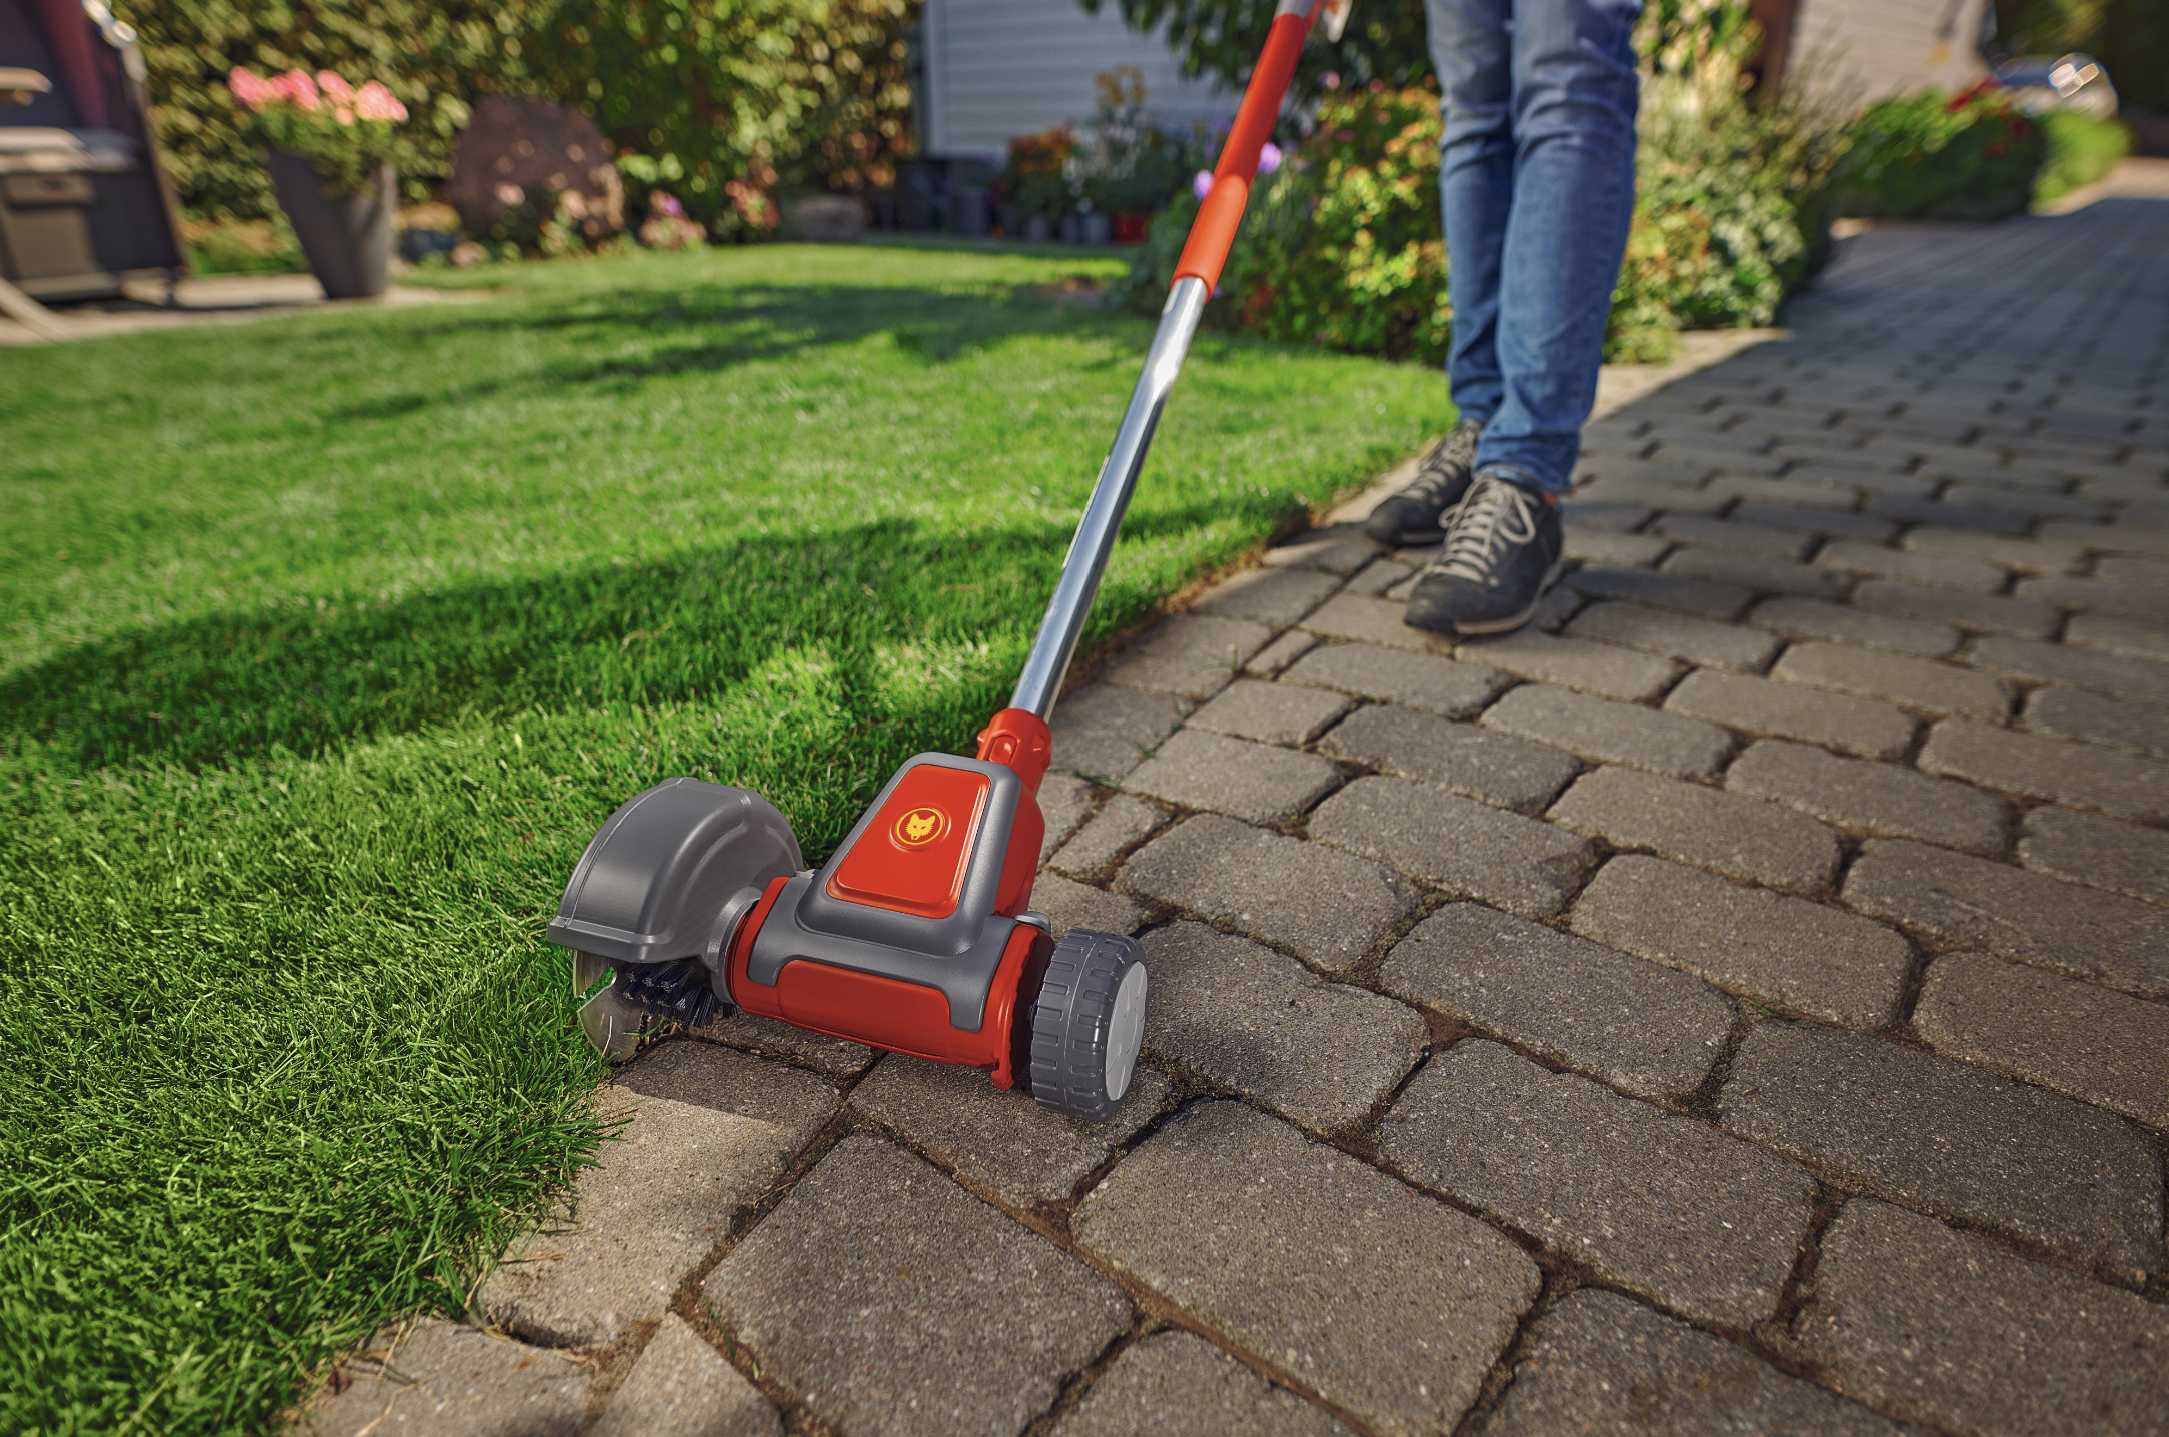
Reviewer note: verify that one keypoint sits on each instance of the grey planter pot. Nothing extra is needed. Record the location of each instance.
(347, 238)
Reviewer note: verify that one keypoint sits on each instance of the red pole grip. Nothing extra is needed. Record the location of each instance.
(1212, 234)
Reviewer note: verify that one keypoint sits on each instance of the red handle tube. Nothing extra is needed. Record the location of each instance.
(1212, 234)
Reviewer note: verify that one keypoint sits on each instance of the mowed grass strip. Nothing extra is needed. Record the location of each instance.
(325, 644)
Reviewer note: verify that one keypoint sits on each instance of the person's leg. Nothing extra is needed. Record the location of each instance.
(1574, 98)
(1472, 46)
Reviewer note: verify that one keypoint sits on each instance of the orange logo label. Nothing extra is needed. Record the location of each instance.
(920, 827)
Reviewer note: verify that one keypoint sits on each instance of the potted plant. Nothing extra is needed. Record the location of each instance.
(330, 156)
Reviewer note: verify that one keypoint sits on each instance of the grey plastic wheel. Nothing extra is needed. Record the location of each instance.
(1088, 1025)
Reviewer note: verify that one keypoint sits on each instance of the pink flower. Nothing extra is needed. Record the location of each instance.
(1202, 185)
(509, 194)
(250, 88)
(374, 102)
(1269, 158)
(335, 88)
(666, 204)
(297, 89)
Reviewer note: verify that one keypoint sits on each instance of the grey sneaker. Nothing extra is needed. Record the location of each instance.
(1504, 549)
(1414, 515)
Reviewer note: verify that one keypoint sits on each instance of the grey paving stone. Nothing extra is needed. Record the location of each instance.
(1763, 573)
(1104, 731)
(709, 1129)
(2082, 774)
(837, 1057)
(1643, 1028)
(1663, 1205)
(1495, 767)
(889, 1300)
(2137, 600)
(1938, 1135)
(452, 1381)
(1876, 798)
(1986, 613)
(1334, 551)
(1611, 732)
(1743, 538)
(2112, 674)
(2028, 556)
(2027, 501)
(1251, 781)
(1419, 681)
(1799, 955)
(1178, 1382)
(1073, 905)
(1645, 495)
(1663, 590)
(1466, 848)
(681, 1387)
(2150, 573)
(1125, 820)
(1194, 655)
(1373, 621)
(1913, 568)
(1600, 515)
(1816, 521)
(1258, 1023)
(2098, 852)
(1861, 476)
(2099, 1047)
(1937, 688)
(2122, 538)
(1733, 834)
(1329, 908)
(1700, 641)
(2119, 634)
(1383, 574)
(1000, 1142)
(1385, 1303)
(1929, 511)
(1591, 545)
(2134, 724)
(1605, 1364)
(1275, 598)
(1841, 623)
(1784, 492)
(1575, 663)
(1066, 802)
(1942, 1328)
(1765, 706)
(1280, 653)
(2102, 937)
(1270, 713)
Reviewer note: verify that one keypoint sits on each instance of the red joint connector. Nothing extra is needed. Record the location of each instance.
(1018, 738)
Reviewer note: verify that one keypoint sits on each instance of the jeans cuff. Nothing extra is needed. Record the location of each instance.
(1522, 478)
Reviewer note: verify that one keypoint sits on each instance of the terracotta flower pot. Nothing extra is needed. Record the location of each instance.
(347, 238)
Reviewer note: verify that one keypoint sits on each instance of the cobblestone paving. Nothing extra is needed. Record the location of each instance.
(1738, 1004)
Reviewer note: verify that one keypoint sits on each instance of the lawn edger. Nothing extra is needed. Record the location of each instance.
(917, 936)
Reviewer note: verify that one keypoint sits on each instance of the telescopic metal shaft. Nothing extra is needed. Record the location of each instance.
(1041, 682)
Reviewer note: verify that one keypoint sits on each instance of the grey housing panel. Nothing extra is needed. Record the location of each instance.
(657, 874)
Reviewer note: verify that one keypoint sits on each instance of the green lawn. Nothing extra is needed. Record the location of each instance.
(329, 640)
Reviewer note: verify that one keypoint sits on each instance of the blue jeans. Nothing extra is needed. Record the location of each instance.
(1537, 181)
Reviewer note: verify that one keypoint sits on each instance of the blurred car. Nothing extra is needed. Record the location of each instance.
(2071, 82)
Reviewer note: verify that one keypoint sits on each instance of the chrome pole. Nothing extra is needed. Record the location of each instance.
(1041, 682)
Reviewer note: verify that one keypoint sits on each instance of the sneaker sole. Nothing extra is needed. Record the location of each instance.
(1500, 626)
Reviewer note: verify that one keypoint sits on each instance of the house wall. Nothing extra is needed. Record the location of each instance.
(1862, 50)
(997, 68)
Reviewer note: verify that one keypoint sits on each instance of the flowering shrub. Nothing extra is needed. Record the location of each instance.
(1118, 164)
(347, 135)
(1970, 156)
(669, 226)
(1033, 179)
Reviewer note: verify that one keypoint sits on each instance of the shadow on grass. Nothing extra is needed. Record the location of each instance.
(311, 677)
(744, 324)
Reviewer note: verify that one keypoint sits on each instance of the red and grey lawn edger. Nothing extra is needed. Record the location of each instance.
(917, 936)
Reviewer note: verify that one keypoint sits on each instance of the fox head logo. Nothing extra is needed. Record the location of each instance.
(919, 827)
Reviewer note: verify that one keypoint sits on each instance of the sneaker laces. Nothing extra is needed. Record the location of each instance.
(1496, 513)
(1435, 476)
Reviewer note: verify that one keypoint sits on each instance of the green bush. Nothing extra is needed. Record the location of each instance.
(724, 102)
(1970, 156)
(2081, 149)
